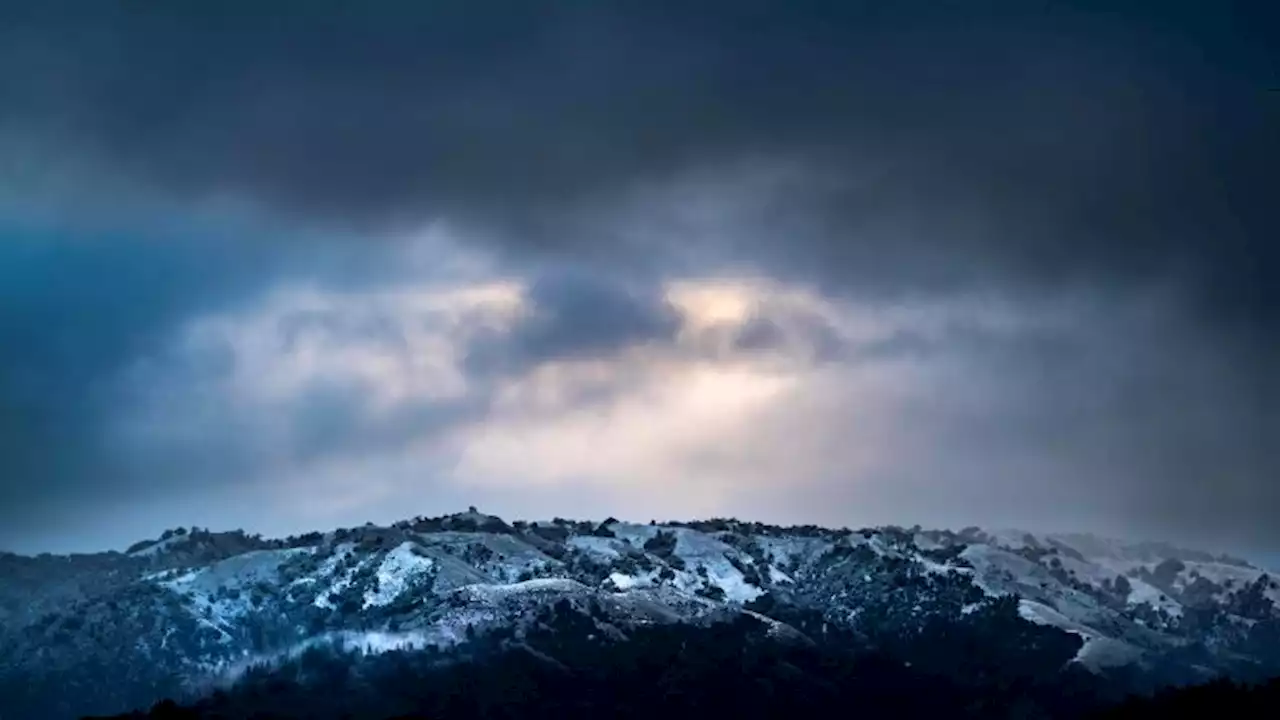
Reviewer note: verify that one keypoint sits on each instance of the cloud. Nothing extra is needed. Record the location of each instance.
(74, 311)
(928, 146)
(880, 152)
(905, 257)
(307, 378)
(95, 326)
(329, 405)
(572, 313)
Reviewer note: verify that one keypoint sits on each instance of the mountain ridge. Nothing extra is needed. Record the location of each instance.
(192, 609)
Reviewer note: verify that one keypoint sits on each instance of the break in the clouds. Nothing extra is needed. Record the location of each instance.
(307, 264)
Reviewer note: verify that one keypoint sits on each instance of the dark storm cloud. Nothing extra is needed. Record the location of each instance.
(83, 314)
(1023, 148)
(960, 142)
(759, 333)
(575, 314)
(1144, 424)
(72, 312)
(790, 332)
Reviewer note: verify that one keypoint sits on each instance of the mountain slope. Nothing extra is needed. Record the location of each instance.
(194, 610)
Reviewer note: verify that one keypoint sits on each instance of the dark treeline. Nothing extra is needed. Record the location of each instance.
(1218, 699)
(568, 666)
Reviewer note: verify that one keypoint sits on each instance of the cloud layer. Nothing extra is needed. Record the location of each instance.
(840, 262)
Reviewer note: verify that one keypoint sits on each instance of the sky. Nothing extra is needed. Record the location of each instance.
(291, 266)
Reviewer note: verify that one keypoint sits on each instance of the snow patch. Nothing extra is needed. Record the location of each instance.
(933, 567)
(1042, 614)
(1103, 652)
(777, 577)
(1141, 592)
(324, 599)
(634, 534)
(602, 547)
(227, 673)
(399, 568)
(494, 592)
(631, 582)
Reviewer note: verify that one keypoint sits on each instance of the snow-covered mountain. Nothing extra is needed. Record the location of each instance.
(193, 609)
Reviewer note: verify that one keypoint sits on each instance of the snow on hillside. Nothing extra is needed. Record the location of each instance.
(439, 581)
(507, 591)
(710, 557)
(622, 581)
(783, 551)
(1038, 612)
(496, 557)
(601, 547)
(1140, 592)
(1062, 579)
(340, 580)
(226, 673)
(634, 534)
(218, 593)
(399, 569)
(1099, 558)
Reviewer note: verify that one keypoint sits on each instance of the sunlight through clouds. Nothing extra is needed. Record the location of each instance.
(350, 400)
